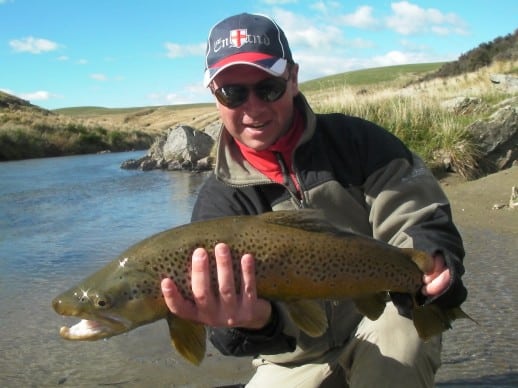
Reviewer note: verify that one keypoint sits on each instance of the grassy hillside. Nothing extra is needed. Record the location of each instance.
(377, 76)
(28, 131)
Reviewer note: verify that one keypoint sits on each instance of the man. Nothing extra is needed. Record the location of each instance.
(274, 153)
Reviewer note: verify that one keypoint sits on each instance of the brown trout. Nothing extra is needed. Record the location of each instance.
(300, 258)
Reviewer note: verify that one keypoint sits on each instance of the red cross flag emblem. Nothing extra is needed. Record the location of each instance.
(238, 37)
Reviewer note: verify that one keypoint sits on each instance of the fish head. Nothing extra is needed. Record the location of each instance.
(113, 300)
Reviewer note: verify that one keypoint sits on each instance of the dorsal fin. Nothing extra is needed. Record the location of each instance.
(312, 220)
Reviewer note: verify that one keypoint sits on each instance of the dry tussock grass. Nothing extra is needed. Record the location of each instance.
(416, 115)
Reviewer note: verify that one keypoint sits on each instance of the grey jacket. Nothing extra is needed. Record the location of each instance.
(364, 180)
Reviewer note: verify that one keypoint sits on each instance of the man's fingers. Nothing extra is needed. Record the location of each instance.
(438, 267)
(226, 283)
(437, 285)
(175, 301)
(226, 305)
(227, 288)
(248, 282)
(200, 278)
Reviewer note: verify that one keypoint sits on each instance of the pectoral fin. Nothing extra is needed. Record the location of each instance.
(188, 338)
(309, 316)
(372, 306)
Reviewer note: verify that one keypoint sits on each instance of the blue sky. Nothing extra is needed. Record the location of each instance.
(116, 53)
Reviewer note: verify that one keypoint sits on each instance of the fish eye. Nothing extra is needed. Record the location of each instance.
(102, 301)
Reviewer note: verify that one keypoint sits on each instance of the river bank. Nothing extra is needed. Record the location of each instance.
(484, 203)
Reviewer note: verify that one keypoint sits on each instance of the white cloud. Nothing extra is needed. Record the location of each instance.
(361, 18)
(319, 6)
(8, 91)
(99, 77)
(278, 2)
(312, 66)
(40, 95)
(191, 93)
(360, 43)
(33, 45)
(408, 18)
(396, 57)
(326, 7)
(175, 50)
(315, 67)
(318, 38)
(303, 32)
(168, 98)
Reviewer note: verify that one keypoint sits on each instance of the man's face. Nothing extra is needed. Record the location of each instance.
(257, 123)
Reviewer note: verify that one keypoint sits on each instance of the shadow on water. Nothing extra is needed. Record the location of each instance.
(491, 381)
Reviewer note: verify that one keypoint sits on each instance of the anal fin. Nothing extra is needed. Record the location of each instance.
(372, 306)
(309, 316)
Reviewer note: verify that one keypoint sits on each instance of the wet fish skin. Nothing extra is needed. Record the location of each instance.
(299, 259)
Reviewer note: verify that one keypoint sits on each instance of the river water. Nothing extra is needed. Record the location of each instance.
(63, 218)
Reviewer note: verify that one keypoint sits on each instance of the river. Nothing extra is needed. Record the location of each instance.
(63, 218)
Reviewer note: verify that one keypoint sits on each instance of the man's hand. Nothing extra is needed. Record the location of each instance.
(226, 308)
(437, 281)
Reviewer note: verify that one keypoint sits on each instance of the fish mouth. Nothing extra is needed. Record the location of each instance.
(93, 325)
(94, 329)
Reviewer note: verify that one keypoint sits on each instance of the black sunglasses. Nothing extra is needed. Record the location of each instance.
(268, 90)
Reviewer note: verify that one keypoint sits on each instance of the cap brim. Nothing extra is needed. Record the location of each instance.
(272, 65)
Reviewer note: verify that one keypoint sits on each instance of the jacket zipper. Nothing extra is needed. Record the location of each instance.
(299, 198)
(288, 182)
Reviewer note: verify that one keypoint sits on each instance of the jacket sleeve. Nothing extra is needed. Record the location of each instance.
(241, 342)
(408, 208)
(405, 204)
(216, 200)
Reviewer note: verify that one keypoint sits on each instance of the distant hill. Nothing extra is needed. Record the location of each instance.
(379, 76)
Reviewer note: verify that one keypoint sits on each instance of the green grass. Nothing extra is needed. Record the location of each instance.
(369, 77)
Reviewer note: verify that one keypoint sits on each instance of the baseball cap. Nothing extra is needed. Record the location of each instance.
(248, 39)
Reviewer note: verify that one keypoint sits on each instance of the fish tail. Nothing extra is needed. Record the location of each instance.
(422, 259)
(431, 320)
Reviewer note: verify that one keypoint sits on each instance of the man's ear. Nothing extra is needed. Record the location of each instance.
(294, 78)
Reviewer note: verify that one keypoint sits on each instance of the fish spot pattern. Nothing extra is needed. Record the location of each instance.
(289, 260)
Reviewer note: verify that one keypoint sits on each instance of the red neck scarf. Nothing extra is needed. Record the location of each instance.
(266, 160)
